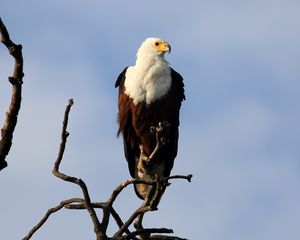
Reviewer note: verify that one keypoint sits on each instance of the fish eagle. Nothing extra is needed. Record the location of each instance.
(150, 92)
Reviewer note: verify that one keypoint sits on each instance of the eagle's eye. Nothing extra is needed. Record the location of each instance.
(156, 43)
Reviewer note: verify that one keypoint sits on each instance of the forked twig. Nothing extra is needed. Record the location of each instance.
(48, 213)
(100, 234)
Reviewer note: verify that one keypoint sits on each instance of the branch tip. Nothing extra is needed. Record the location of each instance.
(189, 177)
(71, 102)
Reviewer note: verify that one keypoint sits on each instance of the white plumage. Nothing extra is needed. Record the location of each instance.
(150, 78)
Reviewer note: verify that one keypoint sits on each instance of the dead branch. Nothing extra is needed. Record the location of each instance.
(16, 80)
(100, 234)
(188, 177)
(48, 213)
(148, 232)
(150, 203)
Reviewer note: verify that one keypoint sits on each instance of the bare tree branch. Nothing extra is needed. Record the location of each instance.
(101, 205)
(150, 203)
(100, 234)
(15, 104)
(48, 213)
(188, 177)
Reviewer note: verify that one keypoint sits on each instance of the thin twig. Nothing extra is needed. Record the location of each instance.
(100, 234)
(187, 177)
(124, 184)
(136, 213)
(145, 207)
(10, 121)
(81, 206)
(101, 205)
(107, 211)
(49, 212)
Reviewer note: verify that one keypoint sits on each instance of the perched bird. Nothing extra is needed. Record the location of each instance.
(150, 92)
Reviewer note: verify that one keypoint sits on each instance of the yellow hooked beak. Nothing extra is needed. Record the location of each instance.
(162, 46)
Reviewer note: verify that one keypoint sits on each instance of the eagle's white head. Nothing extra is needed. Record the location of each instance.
(150, 78)
(153, 47)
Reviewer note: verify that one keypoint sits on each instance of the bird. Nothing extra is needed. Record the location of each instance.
(150, 94)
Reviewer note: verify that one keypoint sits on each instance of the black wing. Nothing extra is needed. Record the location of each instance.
(131, 149)
(177, 96)
(178, 85)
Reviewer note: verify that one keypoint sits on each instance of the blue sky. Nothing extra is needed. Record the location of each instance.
(239, 133)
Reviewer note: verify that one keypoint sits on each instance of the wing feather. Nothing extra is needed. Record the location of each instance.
(131, 148)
